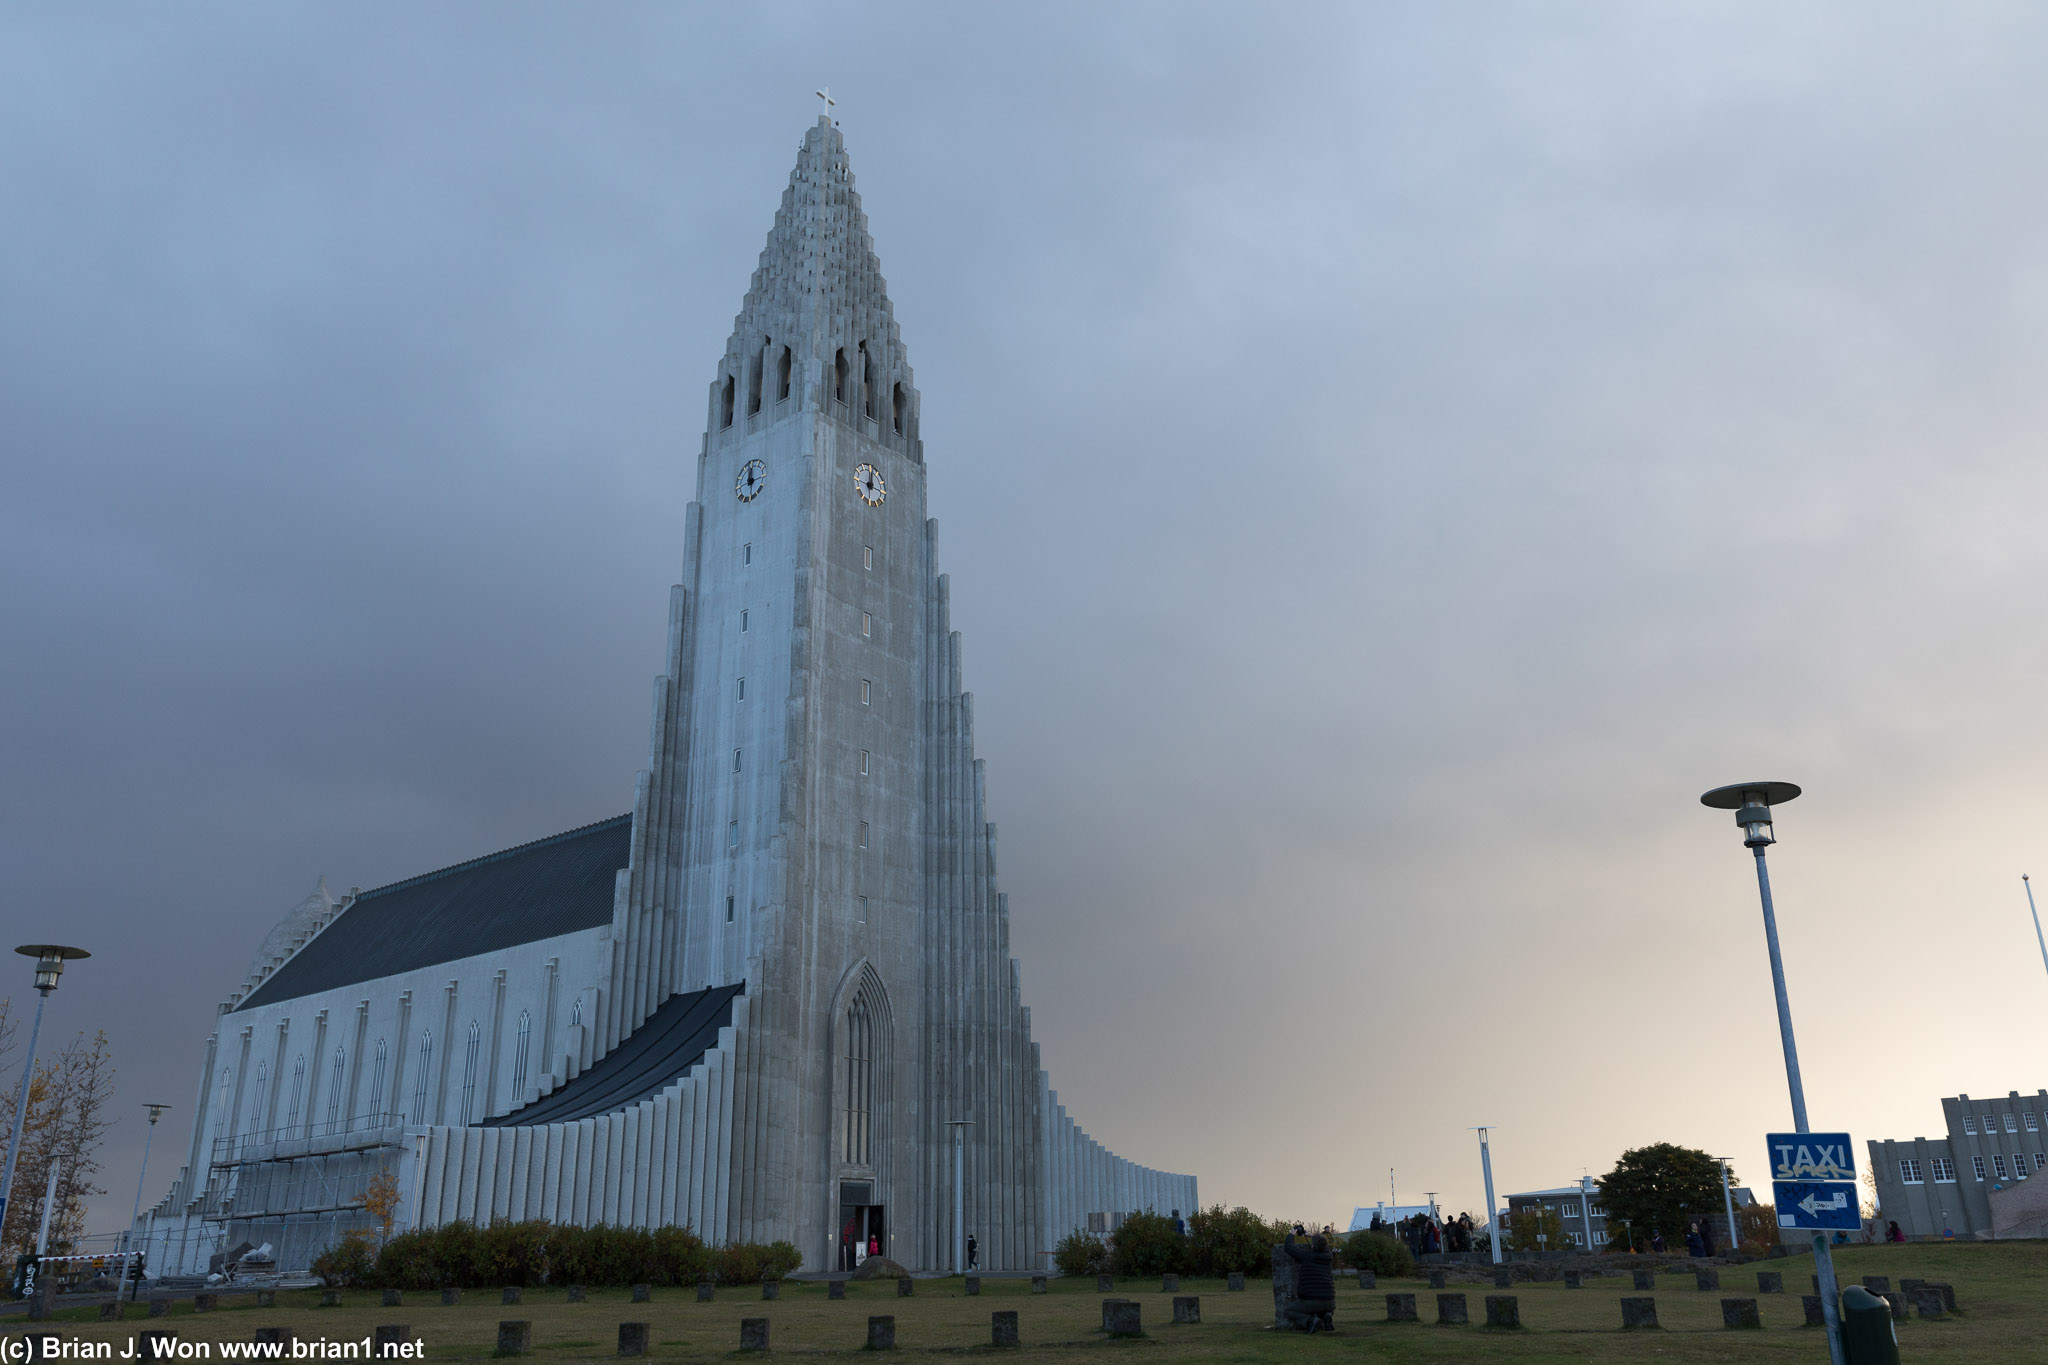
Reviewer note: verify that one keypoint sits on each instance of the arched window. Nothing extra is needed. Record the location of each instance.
(256, 1100)
(859, 1062)
(901, 405)
(519, 1055)
(377, 1100)
(223, 1121)
(867, 382)
(419, 1083)
(291, 1113)
(725, 403)
(840, 373)
(469, 1073)
(334, 1092)
(576, 1013)
(782, 376)
(754, 379)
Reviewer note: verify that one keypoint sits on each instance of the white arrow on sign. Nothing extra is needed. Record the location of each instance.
(1813, 1203)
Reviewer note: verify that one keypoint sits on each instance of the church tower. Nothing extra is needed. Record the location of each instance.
(769, 1002)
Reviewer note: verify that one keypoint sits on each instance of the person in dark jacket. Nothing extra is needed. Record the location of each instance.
(1693, 1244)
(1315, 1289)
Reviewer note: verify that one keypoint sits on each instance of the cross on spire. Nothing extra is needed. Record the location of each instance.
(830, 103)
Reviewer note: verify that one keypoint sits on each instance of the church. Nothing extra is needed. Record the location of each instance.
(769, 1000)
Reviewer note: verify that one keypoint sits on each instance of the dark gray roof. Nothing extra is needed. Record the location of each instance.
(538, 890)
(655, 1055)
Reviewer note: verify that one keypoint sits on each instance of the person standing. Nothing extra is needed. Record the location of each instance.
(973, 1251)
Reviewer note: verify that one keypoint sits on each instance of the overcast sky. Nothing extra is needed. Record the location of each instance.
(1390, 460)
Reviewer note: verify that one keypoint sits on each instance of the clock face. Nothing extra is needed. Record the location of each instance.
(867, 481)
(753, 478)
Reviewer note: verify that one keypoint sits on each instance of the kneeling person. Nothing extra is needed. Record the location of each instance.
(1315, 1291)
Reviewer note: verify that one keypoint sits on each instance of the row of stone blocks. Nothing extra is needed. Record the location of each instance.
(516, 1337)
(1502, 1310)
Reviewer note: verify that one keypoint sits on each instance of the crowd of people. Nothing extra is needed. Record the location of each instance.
(1424, 1233)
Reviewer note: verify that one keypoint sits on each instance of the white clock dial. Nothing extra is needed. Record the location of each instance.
(867, 481)
(753, 478)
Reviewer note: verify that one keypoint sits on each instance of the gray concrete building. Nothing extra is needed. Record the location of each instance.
(1951, 1185)
(757, 1002)
(1584, 1217)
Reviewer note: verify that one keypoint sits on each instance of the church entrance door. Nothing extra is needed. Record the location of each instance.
(862, 1224)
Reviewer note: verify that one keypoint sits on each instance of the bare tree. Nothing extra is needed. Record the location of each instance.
(67, 1122)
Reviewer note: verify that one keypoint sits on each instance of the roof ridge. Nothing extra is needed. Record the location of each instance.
(606, 823)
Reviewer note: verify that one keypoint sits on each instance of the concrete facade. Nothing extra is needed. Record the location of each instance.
(1949, 1186)
(812, 823)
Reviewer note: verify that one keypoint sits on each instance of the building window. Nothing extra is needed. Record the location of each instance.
(1991, 1123)
(576, 1013)
(867, 556)
(291, 1113)
(256, 1102)
(863, 909)
(377, 1081)
(860, 1080)
(2040, 1160)
(1598, 1212)
(902, 405)
(1977, 1165)
(747, 553)
(866, 624)
(2030, 1122)
(519, 1054)
(863, 762)
(469, 1073)
(725, 403)
(334, 1091)
(1909, 1172)
(1998, 1165)
(839, 374)
(419, 1084)
(1970, 1123)
(740, 690)
(863, 834)
(735, 760)
(867, 692)
(1944, 1170)
(2012, 1123)
(782, 376)
(732, 834)
(743, 620)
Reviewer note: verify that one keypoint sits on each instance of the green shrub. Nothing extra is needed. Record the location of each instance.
(461, 1255)
(1147, 1244)
(1081, 1253)
(739, 1263)
(680, 1256)
(779, 1259)
(1222, 1240)
(347, 1264)
(1380, 1252)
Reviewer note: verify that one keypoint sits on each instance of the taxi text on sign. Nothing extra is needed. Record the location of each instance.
(1813, 1181)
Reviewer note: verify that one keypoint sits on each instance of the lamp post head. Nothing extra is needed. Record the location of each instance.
(155, 1111)
(49, 962)
(1752, 802)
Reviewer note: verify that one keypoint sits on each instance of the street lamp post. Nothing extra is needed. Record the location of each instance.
(1586, 1208)
(1752, 802)
(50, 958)
(1486, 1170)
(1728, 1203)
(2037, 919)
(155, 1112)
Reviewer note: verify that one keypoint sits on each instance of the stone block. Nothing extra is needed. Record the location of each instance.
(1811, 1303)
(1770, 1282)
(1948, 1295)
(514, 1336)
(1368, 1280)
(1780, 1251)
(1105, 1284)
(1638, 1313)
(512, 1294)
(1927, 1303)
(1002, 1328)
(1573, 1280)
(1879, 1285)
(771, 1289)
(905, 1287)
(1897, 1301)
(161, 1308)
(1910, 1287)
(1436, 1279)
(643, 1293)
(389, 1336)
(1451, 1311)
(1187, 1308)
(1121, 1318)
(1503, 1278)
(754, 1334)
(392, 1299)
(578, 1294)
(110, 1311)
(1646, 1279)
(1503, 1310)
(706, 1288)
(835, 1289)
(266, 1298)
(1039, 1286)
(159, 1345)
(205, 1303)
(1169, 1284)
(973, 1283)
(276, 1336)
(633, 1338)
(1704, 1280)
(42, 1302)
(1740, 1313)
(329, 1298)
(881, 1334)
(1401, 1308)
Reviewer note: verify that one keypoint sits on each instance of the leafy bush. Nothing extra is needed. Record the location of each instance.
(1147, 1244)
(680, 1256)
(1081, 1253)
(347, 1263)
(1380, 1252)
(778, 1259)
(1222, 1240)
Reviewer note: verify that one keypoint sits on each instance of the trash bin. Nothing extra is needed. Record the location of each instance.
(1868, 1337)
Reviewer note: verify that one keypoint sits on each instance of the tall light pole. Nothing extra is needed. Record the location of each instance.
(960, 1127)
(1752, 802)
(1728, 1203)
(1486, 1170)
(2037, 919)
(155, 1112)
(1586, 1207)
(50, 958)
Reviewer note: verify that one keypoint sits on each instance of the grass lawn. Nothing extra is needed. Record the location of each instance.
(2002, 1289)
